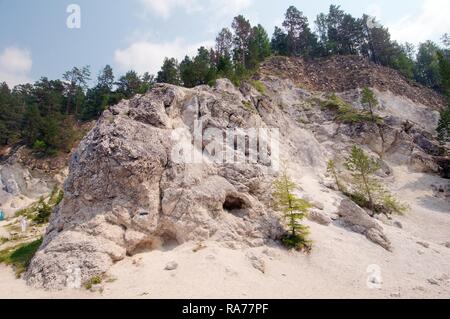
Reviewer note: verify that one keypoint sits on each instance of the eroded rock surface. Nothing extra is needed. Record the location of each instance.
(127, 191)
(355, 218)
(126, 195)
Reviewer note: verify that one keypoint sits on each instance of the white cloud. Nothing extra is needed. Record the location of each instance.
(429, 24)
(164, 8)
(147, 56)
(15, 66)
(230, 7)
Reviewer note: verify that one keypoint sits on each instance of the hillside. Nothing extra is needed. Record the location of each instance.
(344, 73)
(150, 222)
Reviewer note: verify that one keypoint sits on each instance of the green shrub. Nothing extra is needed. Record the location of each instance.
(443, 128)
(43, 212)
(56, 196)
(59, 197)
(359, 199)
(248, 105)
(20, 257)
(352, 115)
(39, 145)
(346, 113)
(28, 213)
(96, 280)
(392, 205)
(259, 86)
(40, 211)
(297, 242)
(212, 83)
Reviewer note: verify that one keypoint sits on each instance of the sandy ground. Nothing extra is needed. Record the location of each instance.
(339, 267)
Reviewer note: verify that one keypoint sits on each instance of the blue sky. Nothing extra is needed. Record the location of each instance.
(137, 34)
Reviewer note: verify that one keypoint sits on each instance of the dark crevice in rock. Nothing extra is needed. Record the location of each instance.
(143, 247)
(236, 206)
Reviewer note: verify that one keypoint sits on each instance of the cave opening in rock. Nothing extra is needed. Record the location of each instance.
(143, 247)
(164, 242)
(235, 205)
(168, 241)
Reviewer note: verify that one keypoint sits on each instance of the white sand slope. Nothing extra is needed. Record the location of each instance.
(337, 268)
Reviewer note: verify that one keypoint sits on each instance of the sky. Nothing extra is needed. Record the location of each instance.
(38, 38)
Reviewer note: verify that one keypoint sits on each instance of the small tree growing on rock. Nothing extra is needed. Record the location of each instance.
(294, 209)
(369, 101)
(370, 193)
(331, 169)
(363, 168)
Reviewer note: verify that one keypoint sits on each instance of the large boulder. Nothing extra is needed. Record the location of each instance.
(127, 191)
(355, 218)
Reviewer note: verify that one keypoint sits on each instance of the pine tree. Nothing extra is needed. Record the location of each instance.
(11, 114)
(368, 192)
(105, 79)
(403, 59)
(147, 82)
(204, 69)
(331, 169)
(129, 84)
(259, 47)
(369, 101)
(300, 40)
(242, 32)
(443, 128)
(294, 209)
(224, 43)
(427, 66)
(187, 73)
(363, 168)
(170, 72)
(76, 80)
(279, 42)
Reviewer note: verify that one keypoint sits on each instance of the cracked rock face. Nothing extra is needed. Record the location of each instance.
(355, 218)
(128, 192)
(125, 194)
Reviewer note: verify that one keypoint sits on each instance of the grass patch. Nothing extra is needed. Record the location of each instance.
(259, 86)
(387, 204)
(43, 213)
(56, 196)
(96, 280)
(248, 105)
(28, 213)
(198, 247)
(20, 257)
(346, 113)
(110, 280)
(40, 211)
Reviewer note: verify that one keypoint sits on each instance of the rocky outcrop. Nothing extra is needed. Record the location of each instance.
(126, 193)
(319, 218)
(354, 217)
(141, 178)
